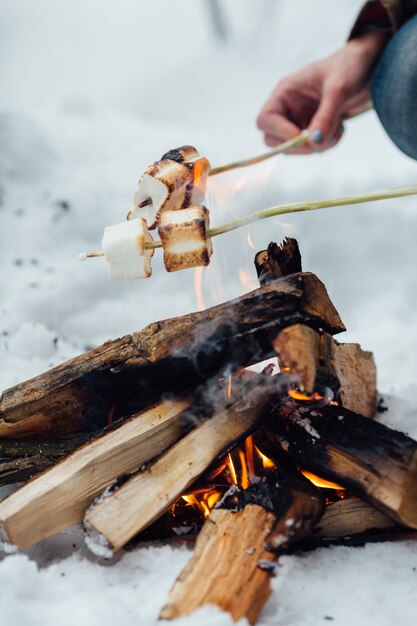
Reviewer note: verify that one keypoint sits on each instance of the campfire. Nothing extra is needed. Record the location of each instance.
(166, 433)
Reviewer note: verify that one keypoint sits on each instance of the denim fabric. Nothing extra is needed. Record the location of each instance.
(394, 88)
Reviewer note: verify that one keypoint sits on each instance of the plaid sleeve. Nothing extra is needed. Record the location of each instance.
(378, 16)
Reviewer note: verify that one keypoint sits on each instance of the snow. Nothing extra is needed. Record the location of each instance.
(94, 91)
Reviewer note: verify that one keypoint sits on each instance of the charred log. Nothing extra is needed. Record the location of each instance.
(369, 459)
(168, 356)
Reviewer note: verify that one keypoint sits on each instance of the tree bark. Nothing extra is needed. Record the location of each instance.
(168, 356)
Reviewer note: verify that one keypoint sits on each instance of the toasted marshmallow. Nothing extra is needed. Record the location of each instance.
(184, 238)
(176, 182)
(124, 249)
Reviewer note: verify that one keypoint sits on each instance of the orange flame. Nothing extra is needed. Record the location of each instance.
(321, 482)
(250, 242)
(198, 286)
(229, 387)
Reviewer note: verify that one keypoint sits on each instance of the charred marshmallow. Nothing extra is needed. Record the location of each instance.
(175, 182)
(125, 252)
(184, 238)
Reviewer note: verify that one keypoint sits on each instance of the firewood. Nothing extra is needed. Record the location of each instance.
(352, 522)
(58, 498)
(278, 261)
(351, 516)
(320, 361)
(315, 357)
(113, 520)
(230, 545)
(134, 371)
(372, 461)
(236, 541)
(20, 459)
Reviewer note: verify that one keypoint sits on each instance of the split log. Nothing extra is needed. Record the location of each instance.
(113, 520)
(58, 498)
(351, 516)
(235, 545)
(168, 356)
(230, 546)
(352, 522)
(317, 359)
(372, 461)
(320, 361)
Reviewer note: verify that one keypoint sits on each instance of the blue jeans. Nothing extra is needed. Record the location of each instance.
(394, 88)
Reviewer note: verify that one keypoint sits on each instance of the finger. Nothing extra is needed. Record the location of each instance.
(325, 121)
(332, 142)
(276, 124)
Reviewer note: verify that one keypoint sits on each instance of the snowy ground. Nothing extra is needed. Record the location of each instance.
(93, 91)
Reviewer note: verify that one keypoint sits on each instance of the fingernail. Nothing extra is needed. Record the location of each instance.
(316, 136)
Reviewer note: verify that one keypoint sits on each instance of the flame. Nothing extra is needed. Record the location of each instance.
(247, 281)
(250, 242)
(232, 470)
(229, 387)
(296, 394)
(203, 502)
(321, 482)
(249, 455)
(198, 286)
(288, 229)
(244, 476)
(267, 463)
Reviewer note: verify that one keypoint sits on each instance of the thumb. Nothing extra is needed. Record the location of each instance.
(326, 120)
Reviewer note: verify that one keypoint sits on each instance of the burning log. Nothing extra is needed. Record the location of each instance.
(369, 459)
(112, 521)
(319, 361)
(135, 371)
(58, 498)
(236, 542)
(315, 357)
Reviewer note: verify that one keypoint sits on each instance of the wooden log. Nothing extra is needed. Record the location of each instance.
(112, 521)
(58, 498)
(278, 261)
(134, 371)
(352, 522)
(230, 547)
(372, 461)
(351, 516)
(315, 357)
(21, 459)
(229, 567)
(320, 361)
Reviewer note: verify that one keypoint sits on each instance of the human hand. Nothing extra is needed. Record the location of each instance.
(320, 95)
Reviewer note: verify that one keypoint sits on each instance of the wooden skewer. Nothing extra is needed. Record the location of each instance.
(283, 147)
(294, 207)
